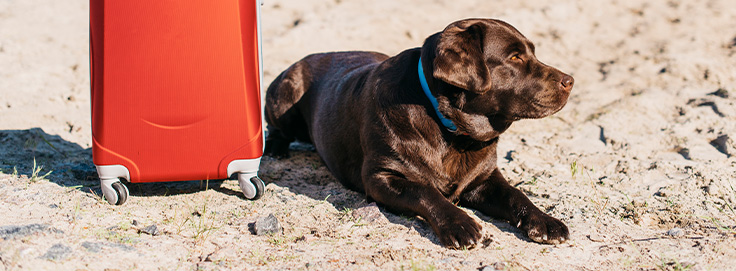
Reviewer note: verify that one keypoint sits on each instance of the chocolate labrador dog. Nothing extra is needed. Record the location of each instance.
(417, 132)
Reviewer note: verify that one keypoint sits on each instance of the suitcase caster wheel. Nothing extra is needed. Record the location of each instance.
(252, 188)
(114, 191)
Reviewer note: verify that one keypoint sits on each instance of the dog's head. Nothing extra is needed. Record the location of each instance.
(484, 67)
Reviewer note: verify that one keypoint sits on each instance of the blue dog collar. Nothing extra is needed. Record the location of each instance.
(423, 81)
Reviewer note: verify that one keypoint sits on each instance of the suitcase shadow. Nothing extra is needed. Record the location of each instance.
(43, 156)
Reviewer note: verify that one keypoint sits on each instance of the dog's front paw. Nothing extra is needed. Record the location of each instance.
(542, 228)
(459, 231)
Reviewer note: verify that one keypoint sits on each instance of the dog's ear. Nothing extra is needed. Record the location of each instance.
(460, 58)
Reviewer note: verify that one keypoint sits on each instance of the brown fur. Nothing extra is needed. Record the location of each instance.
(377, 132)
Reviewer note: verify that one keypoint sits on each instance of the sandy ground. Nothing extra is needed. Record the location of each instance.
(641, 163)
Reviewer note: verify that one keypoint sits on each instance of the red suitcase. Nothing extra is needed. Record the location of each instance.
(176, 92)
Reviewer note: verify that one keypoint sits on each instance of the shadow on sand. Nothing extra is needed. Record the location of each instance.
(70, 165)
(303, 173)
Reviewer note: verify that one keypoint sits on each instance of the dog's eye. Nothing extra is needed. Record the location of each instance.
(516, 58)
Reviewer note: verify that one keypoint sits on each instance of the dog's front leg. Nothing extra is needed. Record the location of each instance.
(497, 198)
(454, 227)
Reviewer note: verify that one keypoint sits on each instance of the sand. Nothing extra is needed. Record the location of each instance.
(640, 164)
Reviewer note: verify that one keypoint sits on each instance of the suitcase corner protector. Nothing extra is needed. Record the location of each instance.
(245, 166)
(113, 172)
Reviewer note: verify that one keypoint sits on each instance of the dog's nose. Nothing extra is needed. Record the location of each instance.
(567, 82)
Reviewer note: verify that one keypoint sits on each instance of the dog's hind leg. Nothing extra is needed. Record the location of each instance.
(285, 122)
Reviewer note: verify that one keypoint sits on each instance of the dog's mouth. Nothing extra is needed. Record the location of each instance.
(540, 108)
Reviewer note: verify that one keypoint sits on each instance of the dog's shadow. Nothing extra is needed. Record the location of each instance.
(303, 172)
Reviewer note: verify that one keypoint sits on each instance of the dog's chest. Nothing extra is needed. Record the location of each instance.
(460, 168)
(460, 165)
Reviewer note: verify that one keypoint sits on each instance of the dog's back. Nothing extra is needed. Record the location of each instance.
(314, 86)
